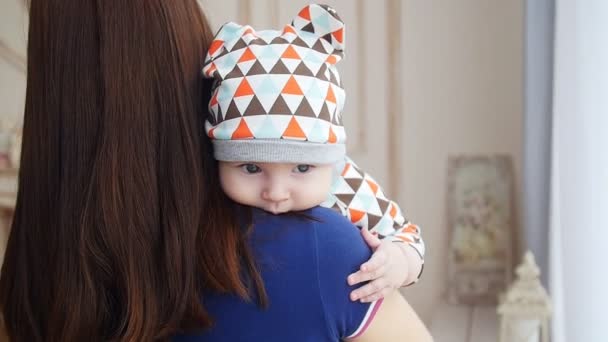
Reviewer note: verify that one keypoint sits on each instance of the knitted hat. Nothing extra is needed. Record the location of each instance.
(277, 95)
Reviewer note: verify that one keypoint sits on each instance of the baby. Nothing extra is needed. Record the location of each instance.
(276, 126)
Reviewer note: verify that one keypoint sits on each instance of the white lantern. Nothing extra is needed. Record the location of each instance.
(525, 309)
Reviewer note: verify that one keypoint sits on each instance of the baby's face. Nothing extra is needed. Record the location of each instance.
(276, 187)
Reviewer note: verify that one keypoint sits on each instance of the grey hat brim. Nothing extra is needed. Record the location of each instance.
(278, 151)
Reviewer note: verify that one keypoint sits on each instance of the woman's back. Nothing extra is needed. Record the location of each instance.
(304, 264)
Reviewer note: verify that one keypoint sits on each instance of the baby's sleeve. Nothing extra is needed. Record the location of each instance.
(340, 251)
(357, 196)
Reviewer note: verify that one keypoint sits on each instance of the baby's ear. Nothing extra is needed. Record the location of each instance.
(324, 22)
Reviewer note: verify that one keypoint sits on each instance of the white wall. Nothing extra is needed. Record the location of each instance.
(13, 37)
(462, 93)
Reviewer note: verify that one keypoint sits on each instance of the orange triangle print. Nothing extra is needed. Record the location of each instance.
(355, 215)
(247, 56)
(290, 52)
(393, 211)
(372, 185)
(248, 31)
(331, 59)
(213, 100)
(292, 87)
(305, 13)
(346, 168)
(244, 89)
(289, 29)
(211, 69)
(294, 130)
(332, 137)
(339, 34)
(242, 132)
(330, 95)
(215, 45)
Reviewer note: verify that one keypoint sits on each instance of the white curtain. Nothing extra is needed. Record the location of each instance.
(578, 226)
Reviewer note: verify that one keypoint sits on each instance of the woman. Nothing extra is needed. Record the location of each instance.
(118, 199)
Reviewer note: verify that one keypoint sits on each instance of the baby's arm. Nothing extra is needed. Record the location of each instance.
(359, 197)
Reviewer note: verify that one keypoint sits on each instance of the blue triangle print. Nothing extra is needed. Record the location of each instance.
(317, 134)
(267, 87)
(322, 21)
(267, 130)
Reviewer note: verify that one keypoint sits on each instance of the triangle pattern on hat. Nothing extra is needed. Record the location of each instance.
(299, 42)
(324, 113)
(242, 103)
(279, 107)
(294, 131)
(292, 87)
(267, 129)
(304, 109)
(247, 55)
(302, 69)
(279, 68)
(233, 111)
(292, 101)
(242, 131)
(291, 64)
(245, 66)
(306, 124)
(244, 89)
(354, 183)
(254, 108)
(256, 69)
(318, 133)
(236, 72)
(290, 53)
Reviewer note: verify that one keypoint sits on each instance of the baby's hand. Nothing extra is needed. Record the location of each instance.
(387, 270)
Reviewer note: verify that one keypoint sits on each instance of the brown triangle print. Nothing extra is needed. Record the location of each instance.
(332, 78)
(279, 68)
(324, 114)
(304, 109)
(255, 107)
(383, 205)
(232, 112)
(319, 47)
(220, 115)
(372, 220)
(309, 28)
(345, 198)
(279, 107)
(329, 38)
(258, 41)
(321, 73)
(256, 69)
(354, 183)
(279, 40)
(239, 45)
(303, 70)
(299, 42)
(236, 72)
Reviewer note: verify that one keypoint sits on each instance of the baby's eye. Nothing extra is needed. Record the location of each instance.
(251, 168)
(303, 168)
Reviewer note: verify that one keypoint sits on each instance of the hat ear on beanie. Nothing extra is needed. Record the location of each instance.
(324, 22)
(225, 39)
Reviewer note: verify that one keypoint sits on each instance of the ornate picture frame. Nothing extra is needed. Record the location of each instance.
(482, 228)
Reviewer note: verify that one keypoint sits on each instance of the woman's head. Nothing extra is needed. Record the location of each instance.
(117, 183)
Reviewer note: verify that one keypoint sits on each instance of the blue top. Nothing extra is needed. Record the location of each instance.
(304, 265)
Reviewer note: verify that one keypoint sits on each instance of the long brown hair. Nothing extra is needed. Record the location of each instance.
(120, 221)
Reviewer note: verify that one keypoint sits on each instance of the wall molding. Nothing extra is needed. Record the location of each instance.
(393, 98)
(14, 59)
